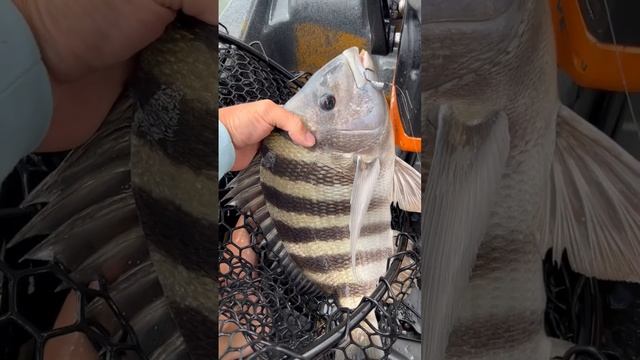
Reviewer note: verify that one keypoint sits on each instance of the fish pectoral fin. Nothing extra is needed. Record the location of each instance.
(367, 172)
(406, 186)
(464, 180)
(592, 205)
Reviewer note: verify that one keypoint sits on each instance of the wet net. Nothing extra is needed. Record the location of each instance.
(268, 310)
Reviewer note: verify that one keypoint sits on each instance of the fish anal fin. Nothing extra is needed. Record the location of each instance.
(593, 202)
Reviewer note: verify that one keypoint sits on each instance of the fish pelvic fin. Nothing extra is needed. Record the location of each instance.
(367, 173)
(469, 161)
(592, 202)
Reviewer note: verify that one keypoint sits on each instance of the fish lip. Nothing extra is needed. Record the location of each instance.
(367, 61)
(361, 66)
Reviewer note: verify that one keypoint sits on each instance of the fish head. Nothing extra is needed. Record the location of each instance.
(343, 105)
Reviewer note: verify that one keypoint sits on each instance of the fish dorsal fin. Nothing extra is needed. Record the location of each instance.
(593, 202)
(247, 179)
(367, 172)
(464, 178)
(406, 186)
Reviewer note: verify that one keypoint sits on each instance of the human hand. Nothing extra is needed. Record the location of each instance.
(88, 48)
(249, 123)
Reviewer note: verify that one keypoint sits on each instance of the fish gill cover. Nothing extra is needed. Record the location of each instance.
(268, 308)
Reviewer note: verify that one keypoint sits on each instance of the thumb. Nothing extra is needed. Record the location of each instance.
(292, 124)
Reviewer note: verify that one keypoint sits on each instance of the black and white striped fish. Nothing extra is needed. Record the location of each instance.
(330, 204)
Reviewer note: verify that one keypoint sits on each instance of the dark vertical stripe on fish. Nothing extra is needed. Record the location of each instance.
(494, 333)
(174, 99)
(502, 253)
(301, 205)
(311, 173)
(198, 331)
(191, 244)
(295, 204)
(303, 235)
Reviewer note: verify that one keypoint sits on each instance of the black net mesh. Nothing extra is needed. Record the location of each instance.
(601, 317)
(43, 312)
(244, 76)
(267, 310)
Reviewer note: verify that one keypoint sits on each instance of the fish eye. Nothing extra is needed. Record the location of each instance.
(327, 102)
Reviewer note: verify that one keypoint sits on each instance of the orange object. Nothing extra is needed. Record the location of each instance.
(402, 140)
(589, 62)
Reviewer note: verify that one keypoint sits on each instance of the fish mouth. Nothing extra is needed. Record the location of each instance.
(361, 65)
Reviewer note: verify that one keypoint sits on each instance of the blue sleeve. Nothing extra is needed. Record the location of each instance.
(226, 152)
(26, 103)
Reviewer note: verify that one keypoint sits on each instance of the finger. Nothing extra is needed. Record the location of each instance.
(279, 117)
(81, 106)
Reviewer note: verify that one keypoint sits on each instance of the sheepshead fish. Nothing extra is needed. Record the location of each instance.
(330, 204)
(135, 204)
(514, 173)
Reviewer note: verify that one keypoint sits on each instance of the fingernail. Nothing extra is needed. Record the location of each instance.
(309, 139)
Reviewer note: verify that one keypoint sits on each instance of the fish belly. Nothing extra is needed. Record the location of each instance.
(308, 196)
(502, 311)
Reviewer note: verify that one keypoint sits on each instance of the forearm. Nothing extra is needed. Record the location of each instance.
(26, 103)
